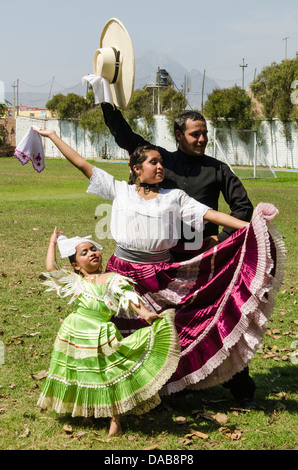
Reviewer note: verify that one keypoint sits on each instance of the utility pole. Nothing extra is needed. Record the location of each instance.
(286, 46)
(243, 67)
(14, 99)
(203, 84)
(158, 92)
(17, 97)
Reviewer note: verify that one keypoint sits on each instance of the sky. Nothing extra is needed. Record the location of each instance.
(58, 38)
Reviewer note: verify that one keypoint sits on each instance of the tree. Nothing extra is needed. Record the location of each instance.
(53, 104)
(229, 108)
(93, 121)
(273, 89)
(173, 103)
(3, 111)
(140, 106)
(71, 106)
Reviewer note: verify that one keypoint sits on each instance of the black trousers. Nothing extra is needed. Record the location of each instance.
(241, 385)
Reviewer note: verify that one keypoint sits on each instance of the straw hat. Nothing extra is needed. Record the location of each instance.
(114, 60)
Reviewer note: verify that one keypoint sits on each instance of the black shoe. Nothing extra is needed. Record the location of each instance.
(249, 404)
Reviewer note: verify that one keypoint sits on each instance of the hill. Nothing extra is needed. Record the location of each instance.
(146, 68)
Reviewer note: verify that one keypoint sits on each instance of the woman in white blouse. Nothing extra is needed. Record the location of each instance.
(144, 216)
(223, 296)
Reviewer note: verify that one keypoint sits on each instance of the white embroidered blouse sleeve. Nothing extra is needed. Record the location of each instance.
(191, 211)
(104, 185)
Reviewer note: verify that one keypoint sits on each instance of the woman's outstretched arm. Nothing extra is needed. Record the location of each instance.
(226, 220)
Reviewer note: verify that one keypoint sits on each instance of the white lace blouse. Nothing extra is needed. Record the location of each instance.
(148, 225)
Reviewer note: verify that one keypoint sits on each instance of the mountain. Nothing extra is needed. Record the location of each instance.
(146, 68)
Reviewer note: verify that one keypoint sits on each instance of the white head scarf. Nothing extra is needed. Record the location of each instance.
(67, 246)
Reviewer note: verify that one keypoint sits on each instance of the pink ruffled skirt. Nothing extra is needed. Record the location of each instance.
(223, 298)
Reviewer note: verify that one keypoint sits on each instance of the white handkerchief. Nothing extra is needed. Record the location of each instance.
(101, 88)
(30, 148)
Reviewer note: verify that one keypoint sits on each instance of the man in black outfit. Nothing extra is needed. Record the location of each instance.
(203, 178)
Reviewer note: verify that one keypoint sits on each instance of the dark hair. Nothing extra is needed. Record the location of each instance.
(72, 259)
(180, 121)
(137, 158)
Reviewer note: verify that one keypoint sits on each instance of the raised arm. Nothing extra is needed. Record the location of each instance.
(121, 131)
(69, 153)
(51, 253)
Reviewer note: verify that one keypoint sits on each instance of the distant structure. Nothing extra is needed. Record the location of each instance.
(163, 78)
(163, 81)
(29, 111)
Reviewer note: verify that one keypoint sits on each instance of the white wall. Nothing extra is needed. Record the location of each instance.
(274, 147)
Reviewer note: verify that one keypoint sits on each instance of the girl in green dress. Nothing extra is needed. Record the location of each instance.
(94, 370)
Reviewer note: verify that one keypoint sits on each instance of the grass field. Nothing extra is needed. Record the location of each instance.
(30, 205)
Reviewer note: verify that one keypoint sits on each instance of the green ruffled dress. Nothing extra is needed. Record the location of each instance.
(94, 371)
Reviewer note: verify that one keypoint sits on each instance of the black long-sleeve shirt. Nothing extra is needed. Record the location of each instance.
(201, 177)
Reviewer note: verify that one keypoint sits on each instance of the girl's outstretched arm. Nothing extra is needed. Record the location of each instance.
(69, 153)
(51, 253)
(226, 220)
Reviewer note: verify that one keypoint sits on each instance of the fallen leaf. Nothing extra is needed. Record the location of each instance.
(201, 435)
(98, 439)
(236, 435)
(131, 438)
(208, 416)
(151, 447)
(180, 420)
(41, 375)
(220, 418)
(231, 433)
(183, 441)
(26, 432)
(68, 429)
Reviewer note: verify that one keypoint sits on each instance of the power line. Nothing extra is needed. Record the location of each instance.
(35, 86)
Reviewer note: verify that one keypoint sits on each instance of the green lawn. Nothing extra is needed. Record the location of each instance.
(31, 205)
